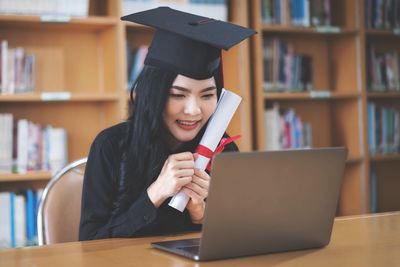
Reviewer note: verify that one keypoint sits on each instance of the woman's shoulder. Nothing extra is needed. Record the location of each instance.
(112, 135)
(230, 146)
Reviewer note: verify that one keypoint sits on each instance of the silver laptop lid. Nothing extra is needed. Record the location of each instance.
(291, 203)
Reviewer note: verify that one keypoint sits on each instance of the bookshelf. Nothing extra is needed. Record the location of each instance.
(334, 106)
(385, 166)
(86, 58)
(72, 57)
(338, 115)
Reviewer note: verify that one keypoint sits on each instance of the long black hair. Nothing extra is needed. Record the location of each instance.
(144, 150)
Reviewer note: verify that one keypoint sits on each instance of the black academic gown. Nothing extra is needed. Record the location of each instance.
(100, 189)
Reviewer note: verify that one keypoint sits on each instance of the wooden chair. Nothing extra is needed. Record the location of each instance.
(60, 205)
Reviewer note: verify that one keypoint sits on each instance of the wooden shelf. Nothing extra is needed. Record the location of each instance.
(34, 21)
(383, 94)
(383, 32)
(81, 97)
(383, 157)
(30, 176)
(308, 96)
(305, 30)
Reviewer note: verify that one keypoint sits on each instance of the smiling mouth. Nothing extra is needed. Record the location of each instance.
(187, 125)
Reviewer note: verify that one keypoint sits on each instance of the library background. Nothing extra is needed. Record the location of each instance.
(319, 73)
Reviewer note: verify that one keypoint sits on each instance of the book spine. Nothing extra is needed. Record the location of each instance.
(12, 219)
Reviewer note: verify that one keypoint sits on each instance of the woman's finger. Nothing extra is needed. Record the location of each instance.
(183, 164)
(181, 156)
(183, 172)
(183, 181)
(203, 183)
(201, 192)
(192, 194)
(201, 174)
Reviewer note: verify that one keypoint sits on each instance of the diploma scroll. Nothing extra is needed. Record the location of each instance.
(219, 121)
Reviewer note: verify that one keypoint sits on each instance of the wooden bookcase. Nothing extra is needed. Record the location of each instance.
(385, 166)
(87, 57)
(339, 66)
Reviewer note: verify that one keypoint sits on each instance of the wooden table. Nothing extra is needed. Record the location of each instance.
(366, 240)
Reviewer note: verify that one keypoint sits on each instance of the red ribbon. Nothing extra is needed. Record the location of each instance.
(204, 21)
(206, 152)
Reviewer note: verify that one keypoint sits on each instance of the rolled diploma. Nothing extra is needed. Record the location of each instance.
(219, 121)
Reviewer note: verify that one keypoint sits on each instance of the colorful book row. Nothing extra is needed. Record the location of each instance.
(381, 14)
(17, 70)
(283, 69)
(18, 218)
(285, 130)
(383, 129)
(26, 146)
(303, 13)
(383, 72)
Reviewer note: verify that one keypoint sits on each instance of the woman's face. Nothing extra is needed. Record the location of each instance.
(189, 106)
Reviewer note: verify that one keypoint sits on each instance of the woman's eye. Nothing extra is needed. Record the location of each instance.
(177, 95)
(208, 96)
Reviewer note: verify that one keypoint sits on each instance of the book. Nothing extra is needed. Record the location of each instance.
(272, 125)
(5, 220)
(4, 63)
(22, 146)
(371, 128)
(6, 142)
(58, 149)
(30, 217)
(20, 220)
(137, 65)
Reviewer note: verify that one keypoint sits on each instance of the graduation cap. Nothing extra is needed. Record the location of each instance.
(186, 43)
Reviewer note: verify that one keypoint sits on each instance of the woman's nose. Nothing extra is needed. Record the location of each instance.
(192, 107)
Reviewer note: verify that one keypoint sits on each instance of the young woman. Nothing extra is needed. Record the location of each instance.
(135, 167)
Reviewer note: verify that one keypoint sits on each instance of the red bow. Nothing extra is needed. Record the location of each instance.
(206, 152)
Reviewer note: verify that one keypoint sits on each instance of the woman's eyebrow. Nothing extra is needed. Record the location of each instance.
(180, 88)
(208, 89)
(187, 90)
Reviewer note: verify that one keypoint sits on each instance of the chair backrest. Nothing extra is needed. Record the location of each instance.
(60, 205)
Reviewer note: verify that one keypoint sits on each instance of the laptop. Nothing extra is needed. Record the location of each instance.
(267, 201)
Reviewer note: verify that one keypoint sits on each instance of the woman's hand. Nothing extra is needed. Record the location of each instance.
(197, 190)
(177, 172)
